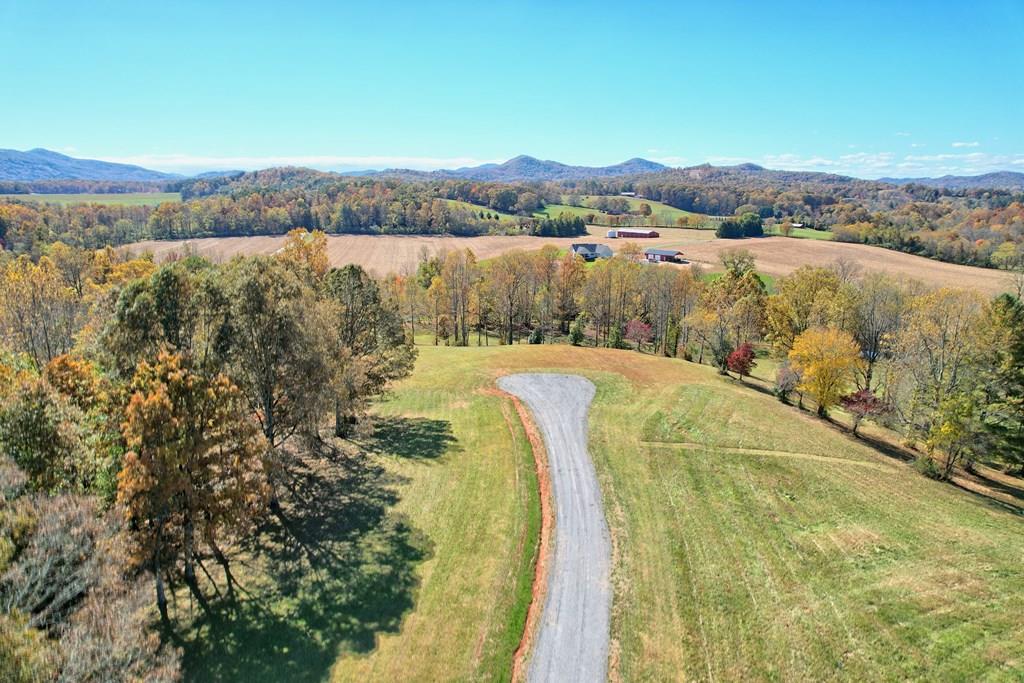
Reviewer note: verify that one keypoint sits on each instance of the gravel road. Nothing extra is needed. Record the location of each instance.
(572, 639)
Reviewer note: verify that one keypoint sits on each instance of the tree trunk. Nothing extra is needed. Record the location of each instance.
(222, 560)
(161, 595)
(190, 567)
(340, 426)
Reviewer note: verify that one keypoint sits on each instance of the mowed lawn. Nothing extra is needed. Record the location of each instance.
(663, 213)
(124, 199)
(477, 209)
(803, 233)
(753, 542)
(410, 557)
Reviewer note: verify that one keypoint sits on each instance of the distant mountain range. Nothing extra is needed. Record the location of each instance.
(1000, 180)
(525, 167)
(522, 168)
(42, 164)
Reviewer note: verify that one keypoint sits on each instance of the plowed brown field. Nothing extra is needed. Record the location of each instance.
(776, 256)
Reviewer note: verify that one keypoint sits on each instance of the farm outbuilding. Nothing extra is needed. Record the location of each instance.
(636, 233)
(591, 252)
(663, 255)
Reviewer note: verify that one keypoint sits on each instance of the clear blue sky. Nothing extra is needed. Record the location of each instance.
(872, 88)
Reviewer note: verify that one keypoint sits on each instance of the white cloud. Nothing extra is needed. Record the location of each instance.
(966, 144)
(670, 160)
(883, 164)
(187, 163)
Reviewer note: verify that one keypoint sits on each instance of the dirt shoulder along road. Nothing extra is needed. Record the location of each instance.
(572, 639)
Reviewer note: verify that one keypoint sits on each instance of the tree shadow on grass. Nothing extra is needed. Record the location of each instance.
(410, 437)
(323, 578)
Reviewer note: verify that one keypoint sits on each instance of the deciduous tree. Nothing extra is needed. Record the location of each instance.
(195, 471)
(827, 360)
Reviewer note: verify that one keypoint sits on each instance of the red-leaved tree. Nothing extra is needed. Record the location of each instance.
(741, 361)
(861, 404)
(638, 331)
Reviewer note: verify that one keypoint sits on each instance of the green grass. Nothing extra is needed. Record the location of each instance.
(504, 217)
(412, 555)
(752, 542)
(664, 215)
(126, 199)
(804, 233)
(814, 557)
(554, 210)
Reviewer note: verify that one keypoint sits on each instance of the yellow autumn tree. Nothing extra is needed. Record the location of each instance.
(827, 360)
(39, 313)
(308, 249)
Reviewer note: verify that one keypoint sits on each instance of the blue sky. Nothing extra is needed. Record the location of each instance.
(870, 88)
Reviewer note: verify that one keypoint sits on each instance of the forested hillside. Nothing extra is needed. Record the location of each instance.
(970, 226)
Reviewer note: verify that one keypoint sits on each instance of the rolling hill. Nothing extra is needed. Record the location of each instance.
(42, 164)
(1000, 180)
(527, 168)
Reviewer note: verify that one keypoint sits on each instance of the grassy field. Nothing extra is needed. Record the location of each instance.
(126, 199)
(415, 556)
(505, 217)
(775, 256)
(663, 213)
(756, 542)
(804, 233)
(751, 541)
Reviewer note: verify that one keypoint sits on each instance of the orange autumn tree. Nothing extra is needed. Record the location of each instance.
(307, 249)
(194, 472)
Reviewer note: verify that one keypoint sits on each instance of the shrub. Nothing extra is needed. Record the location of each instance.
(786, 381)
(26, 656)
(638, 331)
(576, 330)
(861, 404)
(741, 361)
(615, 339)
(729, 230)
(39, 429)
(751, 225)
(928, 467)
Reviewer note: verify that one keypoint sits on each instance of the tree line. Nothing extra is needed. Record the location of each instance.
(976, 227)
(369, 207)
(146, 414)
(944, 367)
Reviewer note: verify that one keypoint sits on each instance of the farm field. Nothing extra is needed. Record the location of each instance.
(755, 542)
(416, 555)
(505, 217)
(125, 199)
(776, 256)
(664, 214)
(804, 233)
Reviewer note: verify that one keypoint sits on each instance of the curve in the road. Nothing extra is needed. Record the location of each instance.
(572, 639)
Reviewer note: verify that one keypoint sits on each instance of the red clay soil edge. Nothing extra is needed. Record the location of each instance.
(547, 527)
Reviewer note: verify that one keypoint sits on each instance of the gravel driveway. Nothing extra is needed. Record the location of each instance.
(572, 640)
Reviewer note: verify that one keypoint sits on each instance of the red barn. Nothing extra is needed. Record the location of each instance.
(659, 255)
(637, 233)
